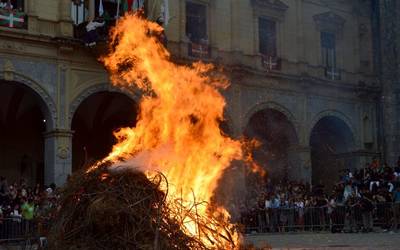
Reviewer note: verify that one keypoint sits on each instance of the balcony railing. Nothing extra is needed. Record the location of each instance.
(271, 62)
(332, 73)
(199, 50)
(13, 18)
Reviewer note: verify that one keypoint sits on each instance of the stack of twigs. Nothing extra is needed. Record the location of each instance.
(111, 208)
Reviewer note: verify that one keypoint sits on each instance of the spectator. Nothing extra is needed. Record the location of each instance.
(397, 174)
(28, 209)
(396, 208)
(356, 201)
(91, 36)
(366, 208)
(348, 191)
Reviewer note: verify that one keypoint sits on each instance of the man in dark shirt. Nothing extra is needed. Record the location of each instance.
(366, 208)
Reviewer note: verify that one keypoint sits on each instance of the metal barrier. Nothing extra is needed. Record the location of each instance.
(338, 219)
(24, 233)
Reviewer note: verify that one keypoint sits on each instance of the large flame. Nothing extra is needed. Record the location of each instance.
(177, 131)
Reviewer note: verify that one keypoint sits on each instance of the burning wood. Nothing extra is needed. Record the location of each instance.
(114, 208)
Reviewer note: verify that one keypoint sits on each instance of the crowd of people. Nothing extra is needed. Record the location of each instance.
(359, 200)
(19, 201)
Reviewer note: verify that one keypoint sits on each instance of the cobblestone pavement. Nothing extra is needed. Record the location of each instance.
(328, 241)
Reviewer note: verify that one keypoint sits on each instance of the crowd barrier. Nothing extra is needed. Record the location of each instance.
(338, 219)
(16, 230)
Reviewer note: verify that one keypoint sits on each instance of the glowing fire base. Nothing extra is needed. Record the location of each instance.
(113, 208)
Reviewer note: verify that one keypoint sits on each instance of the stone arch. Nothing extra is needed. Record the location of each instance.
(274, 128)
(336, 114)
(103, 87)
(27, 150)
(273, 106)
(93, 117)
(47, 101)
(332, 143)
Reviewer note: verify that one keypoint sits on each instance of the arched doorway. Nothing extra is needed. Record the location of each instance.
(23, 121)
(94, 122)
(276, 134)
(331, 143)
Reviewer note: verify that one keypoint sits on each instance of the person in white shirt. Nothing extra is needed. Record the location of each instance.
(6, 5)
(268, 205)
(91, 36)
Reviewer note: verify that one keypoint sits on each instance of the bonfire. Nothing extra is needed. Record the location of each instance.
(155, 189)
(120, 208)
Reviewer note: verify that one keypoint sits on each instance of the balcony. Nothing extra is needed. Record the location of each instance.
(271, 63)
(333, 74)
(199, 50)
(13, 18)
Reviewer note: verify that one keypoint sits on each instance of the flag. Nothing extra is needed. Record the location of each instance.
(11, 19)
(118, 7)
(128, 4)
(140, 3)
(135, 5)
(101, 9)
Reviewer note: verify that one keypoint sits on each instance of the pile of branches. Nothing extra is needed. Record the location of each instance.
(118, 208)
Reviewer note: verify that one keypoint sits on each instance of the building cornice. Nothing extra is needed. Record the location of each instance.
(271, 8)
(329, 21)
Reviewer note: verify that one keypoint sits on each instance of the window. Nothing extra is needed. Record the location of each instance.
(267, 44)
(107, 8)
(267, 37)
(79, 11)
(328, 46)
(196, 22)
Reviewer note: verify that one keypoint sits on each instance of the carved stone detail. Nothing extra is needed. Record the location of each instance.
(271, 8)
(330, 22)
(63, 152)
(8, 71)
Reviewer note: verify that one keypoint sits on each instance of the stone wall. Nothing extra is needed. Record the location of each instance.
(64, 73)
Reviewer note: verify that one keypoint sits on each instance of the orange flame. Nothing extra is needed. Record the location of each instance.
(177, 132)
(248, 147)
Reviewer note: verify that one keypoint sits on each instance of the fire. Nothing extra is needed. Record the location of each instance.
(177, 132)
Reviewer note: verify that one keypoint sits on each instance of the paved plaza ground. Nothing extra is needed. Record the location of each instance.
(307, 241)
(328, 241)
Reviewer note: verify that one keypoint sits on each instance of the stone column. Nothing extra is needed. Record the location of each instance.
(58, 157)
(65, 25)
(299, 158)
(92, 8)
(32, 17)
(388, 67)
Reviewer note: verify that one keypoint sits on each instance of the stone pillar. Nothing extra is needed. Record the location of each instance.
(58, 157)
(92, 8)
(299, 158)
(388, 68)
(32, 17)
(65, 25)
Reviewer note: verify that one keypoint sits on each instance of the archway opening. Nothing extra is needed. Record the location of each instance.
(23, 120)
(276, 134)
(94, 122)
(331, 142)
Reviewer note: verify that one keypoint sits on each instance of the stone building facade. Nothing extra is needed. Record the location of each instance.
(303, 73)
